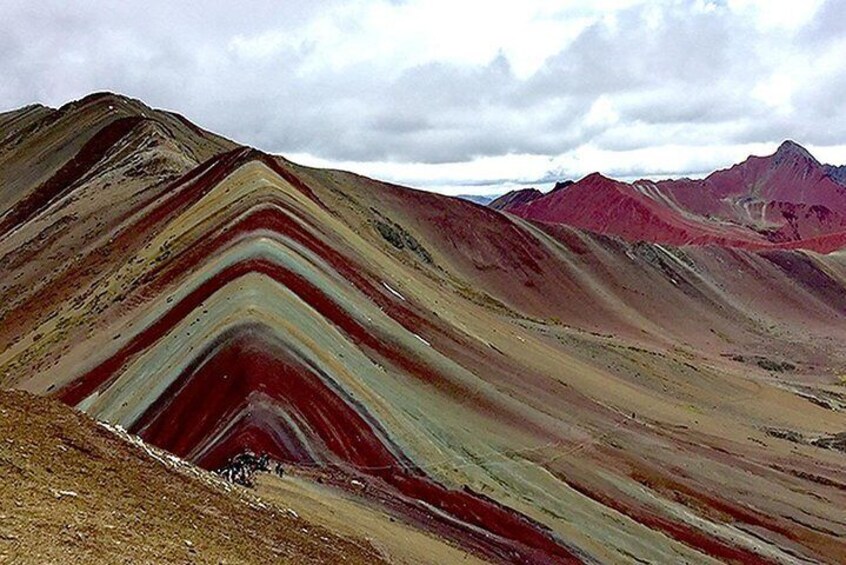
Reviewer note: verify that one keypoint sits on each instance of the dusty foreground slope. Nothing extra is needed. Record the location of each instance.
(427, 369)
(75, 492)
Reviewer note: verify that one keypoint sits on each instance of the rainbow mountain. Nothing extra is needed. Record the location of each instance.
(524, 389)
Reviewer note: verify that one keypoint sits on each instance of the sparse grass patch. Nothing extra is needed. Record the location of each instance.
(397, 236)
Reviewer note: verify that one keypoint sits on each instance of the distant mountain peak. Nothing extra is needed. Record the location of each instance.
(515, 198)
(789, 149)
(596, 177)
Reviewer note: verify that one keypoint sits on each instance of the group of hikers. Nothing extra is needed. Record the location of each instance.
(242, 468)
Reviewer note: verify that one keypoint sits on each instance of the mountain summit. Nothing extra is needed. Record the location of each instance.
(789, 149)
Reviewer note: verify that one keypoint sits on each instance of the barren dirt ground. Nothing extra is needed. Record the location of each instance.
(72, 491)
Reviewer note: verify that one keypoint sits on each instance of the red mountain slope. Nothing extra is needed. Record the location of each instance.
(787, 199)
(603, 205)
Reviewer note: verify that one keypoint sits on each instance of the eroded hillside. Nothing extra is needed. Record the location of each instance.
(523, 391)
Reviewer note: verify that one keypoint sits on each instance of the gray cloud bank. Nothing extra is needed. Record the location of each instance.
(287, 78)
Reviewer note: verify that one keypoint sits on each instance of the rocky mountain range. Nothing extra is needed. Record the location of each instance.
(612, 372)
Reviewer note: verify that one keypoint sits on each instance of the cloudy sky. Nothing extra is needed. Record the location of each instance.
(458, 95)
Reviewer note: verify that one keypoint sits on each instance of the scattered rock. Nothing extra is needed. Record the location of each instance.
(836, 441)
(775, 366)
(788, 435)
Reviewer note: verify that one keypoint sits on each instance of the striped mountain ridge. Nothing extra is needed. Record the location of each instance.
(526, 391)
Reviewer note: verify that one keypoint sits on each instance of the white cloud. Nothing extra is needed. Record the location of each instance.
(776, 14)
(450, 95)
